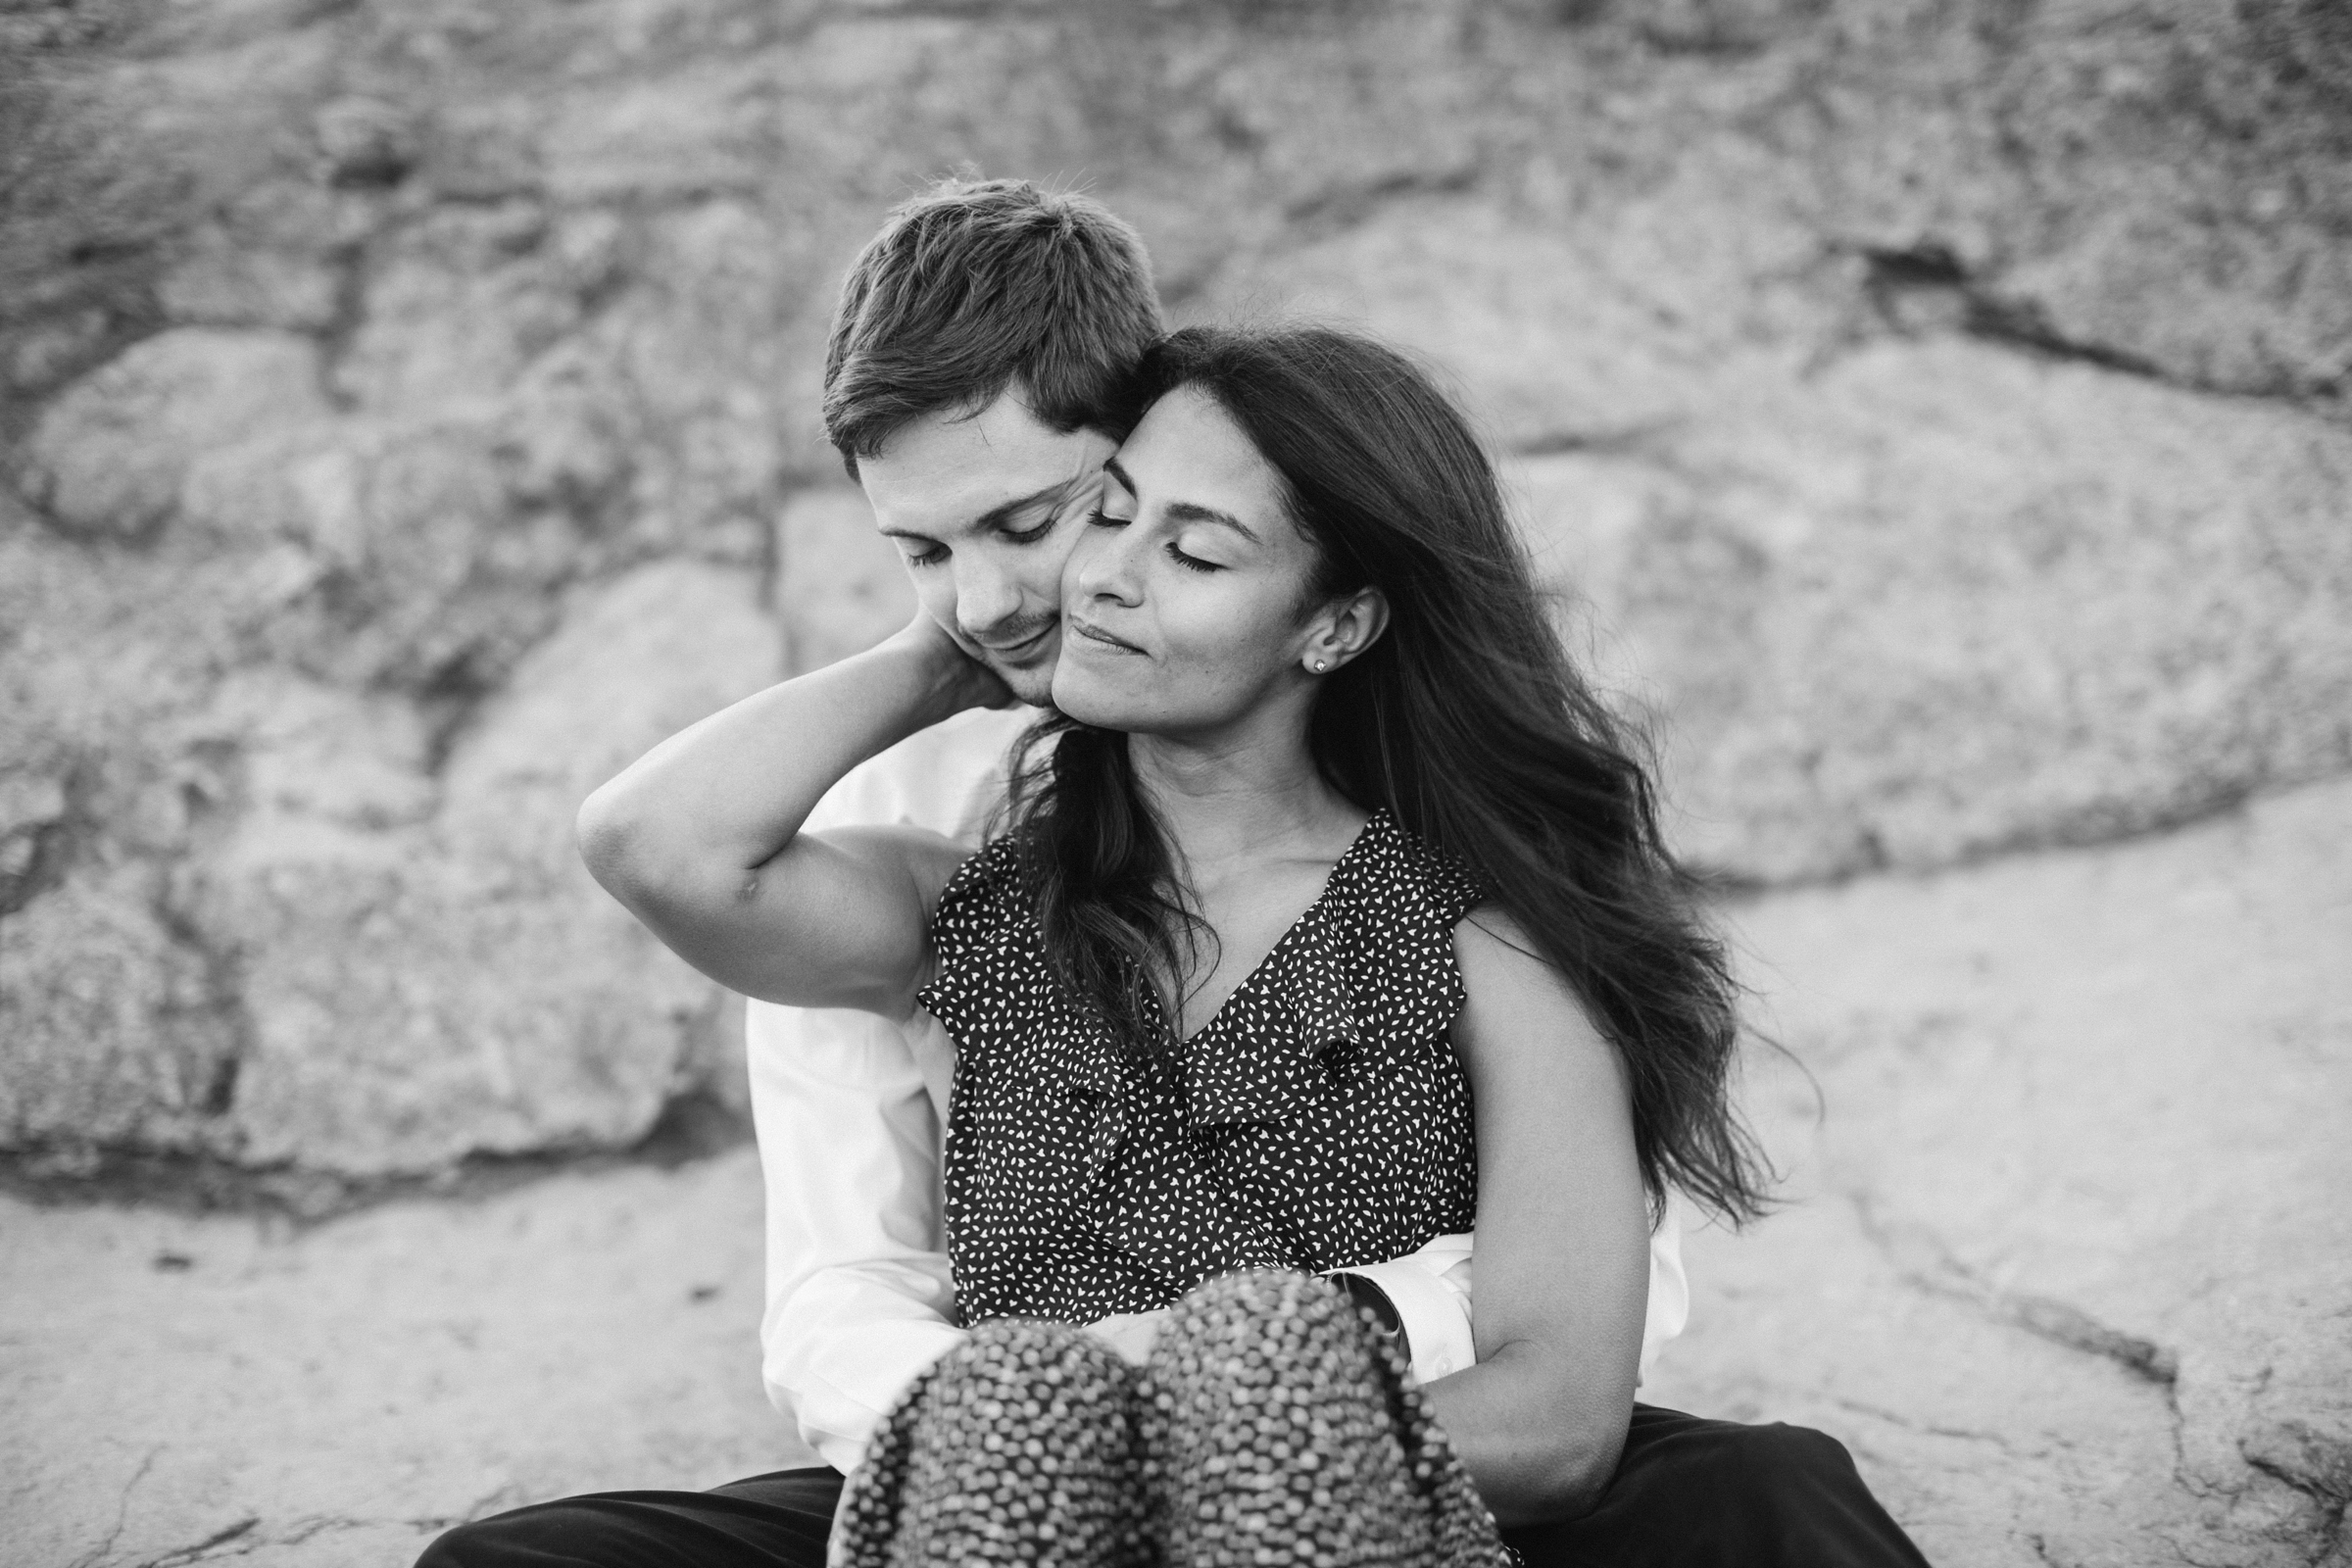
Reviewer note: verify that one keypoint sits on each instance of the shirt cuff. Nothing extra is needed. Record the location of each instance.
(1432, 1309)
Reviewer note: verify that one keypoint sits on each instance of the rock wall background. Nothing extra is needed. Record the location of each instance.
(1937, 408)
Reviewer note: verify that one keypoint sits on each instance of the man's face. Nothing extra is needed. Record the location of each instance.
(985, 509)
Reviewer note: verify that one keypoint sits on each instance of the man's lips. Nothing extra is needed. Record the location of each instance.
(1015, 651)
(1096, 634)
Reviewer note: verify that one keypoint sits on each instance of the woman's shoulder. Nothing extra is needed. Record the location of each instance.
(986, 889)
(1403, 876)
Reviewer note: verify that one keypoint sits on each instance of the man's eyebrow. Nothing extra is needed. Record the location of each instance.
(996, 516)
(1184, 510)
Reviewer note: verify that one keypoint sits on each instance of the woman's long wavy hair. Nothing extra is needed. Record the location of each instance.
(1466, 720)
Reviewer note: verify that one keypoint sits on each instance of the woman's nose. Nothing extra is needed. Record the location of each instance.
(1103, 567)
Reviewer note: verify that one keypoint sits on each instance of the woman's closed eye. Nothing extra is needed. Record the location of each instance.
(1104, 520)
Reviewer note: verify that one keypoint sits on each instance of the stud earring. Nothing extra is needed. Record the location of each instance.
(1318, 666)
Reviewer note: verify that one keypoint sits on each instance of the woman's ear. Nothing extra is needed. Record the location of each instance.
(1344, 628)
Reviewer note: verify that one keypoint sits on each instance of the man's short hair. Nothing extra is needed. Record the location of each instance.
(975, 286)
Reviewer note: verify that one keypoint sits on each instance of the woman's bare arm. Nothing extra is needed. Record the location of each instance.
(1563, 1238)
(701, 836)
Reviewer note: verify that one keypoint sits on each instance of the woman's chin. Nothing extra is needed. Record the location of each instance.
(1078, 694)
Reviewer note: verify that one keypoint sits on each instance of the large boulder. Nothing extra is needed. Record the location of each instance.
(109, 455)
(275, 920)
(1935, 408)
(116, 1036)
(1938, 599)
(840, 586)
(526, 1010)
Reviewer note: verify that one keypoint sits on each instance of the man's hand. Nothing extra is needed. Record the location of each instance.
(1131, 1334)
(964, 680)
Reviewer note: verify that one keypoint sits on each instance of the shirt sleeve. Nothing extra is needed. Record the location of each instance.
(1669, 1309)
(1432, 1293)
(860, 1297)
(849, 1109)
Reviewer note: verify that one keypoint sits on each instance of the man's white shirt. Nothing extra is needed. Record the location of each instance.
(849, 1109)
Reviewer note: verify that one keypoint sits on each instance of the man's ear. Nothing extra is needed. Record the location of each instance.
(1343, 628)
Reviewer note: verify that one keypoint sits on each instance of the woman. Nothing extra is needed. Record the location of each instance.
(1328, 845)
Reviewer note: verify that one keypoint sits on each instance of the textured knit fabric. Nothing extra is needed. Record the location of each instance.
(1319, 1119)
(1278, 1428)
(1270, 1427)
(1020, 1447)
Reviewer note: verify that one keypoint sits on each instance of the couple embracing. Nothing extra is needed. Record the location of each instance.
(1232, 825)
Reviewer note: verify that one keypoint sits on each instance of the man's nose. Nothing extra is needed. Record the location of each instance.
(985, 598)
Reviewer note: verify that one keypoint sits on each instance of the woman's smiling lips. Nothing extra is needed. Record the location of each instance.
(1096, 634)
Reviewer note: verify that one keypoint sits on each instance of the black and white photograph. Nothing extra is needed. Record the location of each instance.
(1176, 783)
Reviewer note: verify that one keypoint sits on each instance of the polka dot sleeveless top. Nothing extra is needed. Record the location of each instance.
(1319, 1119)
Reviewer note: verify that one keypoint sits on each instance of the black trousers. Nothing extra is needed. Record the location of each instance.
(1690, 1492)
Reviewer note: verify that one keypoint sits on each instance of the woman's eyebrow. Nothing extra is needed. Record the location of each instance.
(1183, 511)
(1193, 512)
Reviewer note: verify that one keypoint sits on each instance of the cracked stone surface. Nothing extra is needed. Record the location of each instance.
(1936, 408)
(219, 1388)
(2067, 1268)
(2072, 1268)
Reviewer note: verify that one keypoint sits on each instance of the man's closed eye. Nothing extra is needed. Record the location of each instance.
(1027, 536)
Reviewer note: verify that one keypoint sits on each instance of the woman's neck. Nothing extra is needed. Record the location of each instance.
(1233, 801)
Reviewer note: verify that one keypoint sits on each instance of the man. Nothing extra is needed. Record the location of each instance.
(974, 387)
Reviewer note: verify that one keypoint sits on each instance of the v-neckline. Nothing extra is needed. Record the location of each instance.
(1330, 879)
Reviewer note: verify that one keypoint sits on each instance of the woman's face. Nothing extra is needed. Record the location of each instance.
(1181, 604)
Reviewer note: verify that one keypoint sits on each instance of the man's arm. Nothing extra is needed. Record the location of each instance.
(702, 837)
(859, 1298)
(849, 1109)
